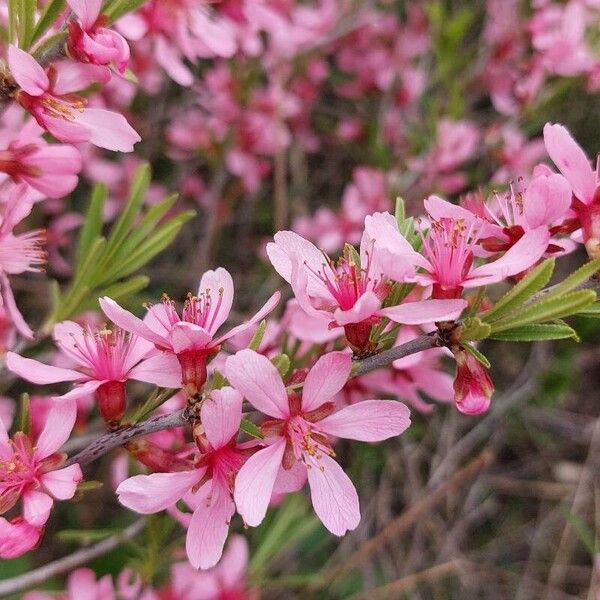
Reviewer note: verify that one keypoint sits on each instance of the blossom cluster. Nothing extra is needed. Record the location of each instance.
(380, 309)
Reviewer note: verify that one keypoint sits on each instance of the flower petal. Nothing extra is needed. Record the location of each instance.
(267, 307)
(129, 322)
(57, 429)
(86, 10)
(570, 160)
(28, 74)
(163, 370)
(221, 414)
(36, 507)
(149, 494)
(424, 311)
(108, 129)
(368, 421)
(525, 253)
(37, 372)
(333, 495)
(326, 378)
(62, 483)
(255, 480)
(218, 285)
(209, 527)
(255, 376)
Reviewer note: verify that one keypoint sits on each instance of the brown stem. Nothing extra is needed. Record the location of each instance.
(106, 442)
(68, 563)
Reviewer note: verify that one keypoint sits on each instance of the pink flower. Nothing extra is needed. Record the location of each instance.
(81, 584)
(225, 581)
(104, 360)
(297, 435)
(543, 204)
(89, 41)
(18, 253)
(31, 470)
(208, 488)
(574, 165)
(348, 294)
(51, 169)
(450, 247)
(48, 96)
(473, 387)
(188, 341)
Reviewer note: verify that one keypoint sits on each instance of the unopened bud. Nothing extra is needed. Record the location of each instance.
(473, 387)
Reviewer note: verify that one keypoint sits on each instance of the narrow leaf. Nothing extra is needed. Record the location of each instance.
(575, 279)
(47, 19)
(547, 309)
(258, 336)
(251, 429)
(282, 362)
(523, 290)
(536, 332)
(92, 226)
(478, 355)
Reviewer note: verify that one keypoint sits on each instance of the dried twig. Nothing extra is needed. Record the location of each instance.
(68, 563)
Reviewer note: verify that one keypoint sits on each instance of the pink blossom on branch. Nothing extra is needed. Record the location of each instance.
(90, 41)
(208, 488)
(49, 97)
(26, 157)
(575, 166)
(350, 294)
(298, 435)
(32, 470)
(187, 342)
(18, 253)
(103, 361)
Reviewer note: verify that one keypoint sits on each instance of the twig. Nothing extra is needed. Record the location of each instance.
(68, 563)
(105, 443)
(393, 589)
(370, 363)
(401, 523)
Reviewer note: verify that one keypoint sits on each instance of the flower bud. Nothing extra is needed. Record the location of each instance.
(473, 387)
(112, 401)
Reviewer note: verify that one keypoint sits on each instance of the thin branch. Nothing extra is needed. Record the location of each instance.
(108, 441)
(105, 443)
(419, 344)
(68, 563)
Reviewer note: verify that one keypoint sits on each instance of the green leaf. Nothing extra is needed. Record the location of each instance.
(352, 255)
(258, 336)
(474, 329)
(591, 312)
(478, 355)
(547, 309)
(122, 227)
(49, 45)
(282, 362)
(92, 226)
(47, 19)
(529, 285)
(251, 429)
(26, 18)
(400, 212)
(116, 9)
(575, 279)
(218, 380)
(155, 244)
(126, 288)
(536, 332)
(86, 536)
